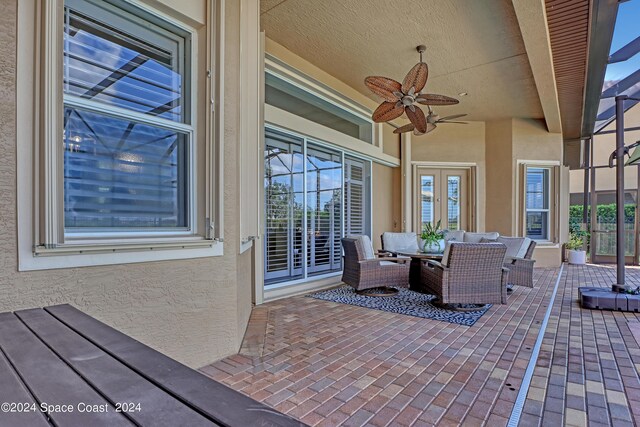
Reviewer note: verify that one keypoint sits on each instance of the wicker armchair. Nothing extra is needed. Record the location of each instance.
(470, 273)
(363, 270)
(521, 269)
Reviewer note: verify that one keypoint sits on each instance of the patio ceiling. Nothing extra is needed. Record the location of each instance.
(473, 47)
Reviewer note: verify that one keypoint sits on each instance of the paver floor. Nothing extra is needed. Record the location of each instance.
(332, 364)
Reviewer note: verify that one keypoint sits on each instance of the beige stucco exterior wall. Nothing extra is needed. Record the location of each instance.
(500, 213)
(192, 310)
(532, 142)
(496, 147)
(385, 202)
(452, 145)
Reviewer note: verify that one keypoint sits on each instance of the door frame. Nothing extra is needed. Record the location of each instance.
(472, 173)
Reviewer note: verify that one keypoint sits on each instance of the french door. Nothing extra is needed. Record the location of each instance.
(442, 195)
(314, 195)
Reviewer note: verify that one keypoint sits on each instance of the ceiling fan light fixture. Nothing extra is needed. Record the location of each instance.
(403, 97)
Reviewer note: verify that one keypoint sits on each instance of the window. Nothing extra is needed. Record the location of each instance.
(296, 100)
(537, 203)
(114, 153)
(128, 140)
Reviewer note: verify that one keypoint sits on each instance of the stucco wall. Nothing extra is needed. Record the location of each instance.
(500, 215)
(496, 147)
(456, 144)
(189, 310)
(385, 202)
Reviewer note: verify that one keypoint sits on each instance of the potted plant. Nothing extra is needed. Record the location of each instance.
(432, 238)
(575, 248)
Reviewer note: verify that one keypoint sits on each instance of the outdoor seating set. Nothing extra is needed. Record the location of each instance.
(473, 268)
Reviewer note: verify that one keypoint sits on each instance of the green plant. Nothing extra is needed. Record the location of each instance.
(432, 233)
(576, 240)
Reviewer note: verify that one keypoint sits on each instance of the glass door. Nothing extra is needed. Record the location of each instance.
(284, 205)
(455, 213)
(324, 209)
(314, 195)
(443, 196)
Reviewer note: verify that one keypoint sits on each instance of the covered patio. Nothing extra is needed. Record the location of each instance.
(570, 367)
(186, 175)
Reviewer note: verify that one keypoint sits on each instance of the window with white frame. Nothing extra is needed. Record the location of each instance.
(128, 138)
(122, 157)
(538, 203)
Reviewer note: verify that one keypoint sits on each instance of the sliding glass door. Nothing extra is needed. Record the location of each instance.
(324, 212)
(314, 195)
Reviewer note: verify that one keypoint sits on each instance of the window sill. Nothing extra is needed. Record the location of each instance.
(109, 254)
(545, 244)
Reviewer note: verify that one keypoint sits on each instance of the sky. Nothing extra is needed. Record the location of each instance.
(626, 30)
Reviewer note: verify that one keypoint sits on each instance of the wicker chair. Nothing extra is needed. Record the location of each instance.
(470, 273)
(521, 269)
(363, 270)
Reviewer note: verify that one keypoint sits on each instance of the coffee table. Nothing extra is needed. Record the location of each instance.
(415, 268)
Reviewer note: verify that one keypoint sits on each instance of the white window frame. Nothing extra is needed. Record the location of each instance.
(368, 202)
(40, 174)
(553, 201)
(546, 191)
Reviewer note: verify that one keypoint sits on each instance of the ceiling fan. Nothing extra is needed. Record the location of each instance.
(403, 97)
(433, 119)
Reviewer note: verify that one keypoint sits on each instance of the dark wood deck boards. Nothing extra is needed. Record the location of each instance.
(60, 355)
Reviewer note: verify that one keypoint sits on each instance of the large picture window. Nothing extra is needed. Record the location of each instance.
(128, 139)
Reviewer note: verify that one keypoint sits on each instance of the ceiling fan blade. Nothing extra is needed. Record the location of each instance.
(405, 128)
(383, 87)
(430, 127)
(455, 116)
(435, 99)
(387, 111)
(416, 78)
(417, 117)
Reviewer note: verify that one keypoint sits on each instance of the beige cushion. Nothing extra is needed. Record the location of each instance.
(387, 263)
(367, 246)
(454, 236)
(400, 242)
(470, 237)
(513, 244)
(523, 248)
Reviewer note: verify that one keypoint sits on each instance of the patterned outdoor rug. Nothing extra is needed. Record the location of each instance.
(404, 302)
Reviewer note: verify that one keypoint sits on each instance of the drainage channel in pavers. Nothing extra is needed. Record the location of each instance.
(514, 419)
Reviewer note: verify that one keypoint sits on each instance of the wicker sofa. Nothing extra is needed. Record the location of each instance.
(470, 273)
(364, 270)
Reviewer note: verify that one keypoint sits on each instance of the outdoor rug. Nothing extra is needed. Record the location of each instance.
(404, 302)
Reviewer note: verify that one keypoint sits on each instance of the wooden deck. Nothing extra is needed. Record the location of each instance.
(59, 366)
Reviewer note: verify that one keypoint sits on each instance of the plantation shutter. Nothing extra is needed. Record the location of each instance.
(356, 174)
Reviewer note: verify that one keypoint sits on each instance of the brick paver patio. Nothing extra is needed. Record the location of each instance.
(333, 364)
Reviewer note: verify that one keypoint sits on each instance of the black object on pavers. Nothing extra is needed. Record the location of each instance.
(605, 299)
